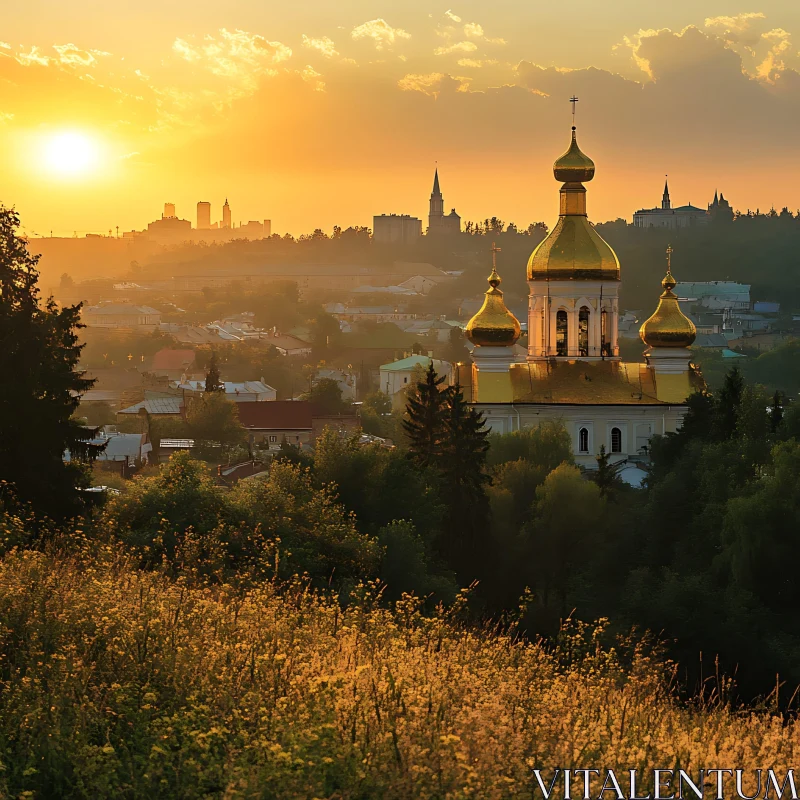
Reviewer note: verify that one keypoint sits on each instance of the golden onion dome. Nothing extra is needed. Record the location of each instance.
(573, 250)
(574, 165)
(494, 325)
(669, 326)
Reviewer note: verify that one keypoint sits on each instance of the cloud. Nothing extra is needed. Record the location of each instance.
(324, 46)
(71, 55)
(35, 56)
(457, 47)
(382, 34)
(450, 15)
(473, 30)
(738, 28)
(432, 84)
(469, 62)
(311, 76)
(236, 54)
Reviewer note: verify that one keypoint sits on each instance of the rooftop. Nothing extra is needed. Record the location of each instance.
(159, 406)
(277, 415)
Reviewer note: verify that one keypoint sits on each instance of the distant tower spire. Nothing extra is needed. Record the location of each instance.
(436, 211)
(665, 203)
(226, 215)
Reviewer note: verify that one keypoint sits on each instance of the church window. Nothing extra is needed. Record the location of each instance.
(616, 440)
(583, 331)
(583, 440)
(562, 337)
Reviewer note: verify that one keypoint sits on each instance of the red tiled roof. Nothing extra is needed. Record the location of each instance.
(276, 415)
(173, 359)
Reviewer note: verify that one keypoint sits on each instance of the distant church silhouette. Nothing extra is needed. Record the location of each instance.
(438, 222)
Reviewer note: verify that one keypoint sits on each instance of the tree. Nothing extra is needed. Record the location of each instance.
(776, 413)
(726, 406)
(607, 475)
(213, 418)
(456, 350)
(424, 424)
(213, 382)
(566, 517)
(461, 464)
(326, 395)
(41, 385)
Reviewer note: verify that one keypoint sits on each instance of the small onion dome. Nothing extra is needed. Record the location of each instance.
(494, 325)
(669, 326)
(574, 165)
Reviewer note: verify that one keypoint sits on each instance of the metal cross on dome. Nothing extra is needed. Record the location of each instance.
(574, 101)
(495, 251)
(669, 258)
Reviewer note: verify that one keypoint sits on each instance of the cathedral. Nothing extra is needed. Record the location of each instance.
(572, 371)
(438, 221)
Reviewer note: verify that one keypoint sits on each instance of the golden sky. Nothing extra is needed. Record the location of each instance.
(326, 113)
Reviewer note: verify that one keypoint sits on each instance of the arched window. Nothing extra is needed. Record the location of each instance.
(583, 440)
(583, 331)
(616, 440)
(562, 336)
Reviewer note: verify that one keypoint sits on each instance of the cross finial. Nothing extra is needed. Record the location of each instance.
(495, 251)
(574, 101)
(669, 258)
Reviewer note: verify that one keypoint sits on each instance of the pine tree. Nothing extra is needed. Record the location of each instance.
(726, 406)
(607, 475)
(462, 467)
(425, 419)
(41, 386)
(213, 382)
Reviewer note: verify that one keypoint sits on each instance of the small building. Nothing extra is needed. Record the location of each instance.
(398, 375)
(715, 295)
(396, 229)
(172, 364)
(121, 315)
(244, 392)
(164, 407)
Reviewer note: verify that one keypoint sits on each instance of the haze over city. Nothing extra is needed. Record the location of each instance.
(324, 115)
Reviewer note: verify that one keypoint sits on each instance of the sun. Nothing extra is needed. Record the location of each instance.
(70, 154)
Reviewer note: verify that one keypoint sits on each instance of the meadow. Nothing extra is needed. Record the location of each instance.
(117, 682)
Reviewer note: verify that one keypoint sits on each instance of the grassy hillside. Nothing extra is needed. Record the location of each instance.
(121, 683)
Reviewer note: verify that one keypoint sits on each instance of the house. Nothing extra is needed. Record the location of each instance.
(287, 344)
(299, 421)
(121, 315)
(398, 375)
(172, 364)
(161, 407)
(123, 450)
(268, 423)
(244, 392)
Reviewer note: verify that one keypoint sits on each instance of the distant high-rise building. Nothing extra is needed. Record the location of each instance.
(226, 215)
(396, 228)
(267, 228)
(720, 210)
(203, 215)
(438, 222)
(169, 211)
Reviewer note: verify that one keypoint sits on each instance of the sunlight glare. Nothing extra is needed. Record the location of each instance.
(70, 153)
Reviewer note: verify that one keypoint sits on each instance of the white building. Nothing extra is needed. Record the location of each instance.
(244, 392)
(121, 315)
(397, 376)
(669, 217)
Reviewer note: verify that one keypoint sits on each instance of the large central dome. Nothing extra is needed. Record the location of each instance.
(573, 250)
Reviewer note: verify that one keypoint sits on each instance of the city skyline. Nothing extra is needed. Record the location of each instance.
(318, 121)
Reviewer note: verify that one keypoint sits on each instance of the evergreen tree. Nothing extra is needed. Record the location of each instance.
(607, 475)
(462, 467)
(425, 419)
(726, 405)
(213, 382)
(41, 386)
